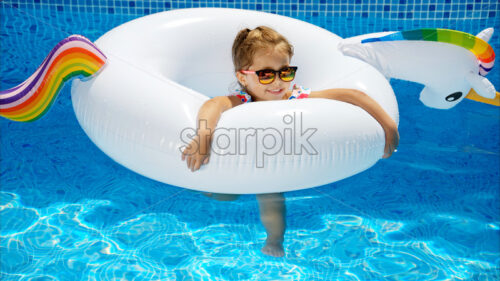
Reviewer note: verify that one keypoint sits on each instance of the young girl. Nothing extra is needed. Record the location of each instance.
(261, 60)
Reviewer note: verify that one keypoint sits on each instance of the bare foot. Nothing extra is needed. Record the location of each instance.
(273, 248)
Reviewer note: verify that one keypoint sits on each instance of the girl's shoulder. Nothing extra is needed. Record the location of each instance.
(299, 92)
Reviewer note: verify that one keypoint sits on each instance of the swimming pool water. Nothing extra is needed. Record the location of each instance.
(69, 212)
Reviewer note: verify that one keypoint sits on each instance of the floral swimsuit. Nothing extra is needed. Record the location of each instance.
(297, 93)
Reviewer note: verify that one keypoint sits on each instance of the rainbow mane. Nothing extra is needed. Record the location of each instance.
(481, 49)
(30, 100)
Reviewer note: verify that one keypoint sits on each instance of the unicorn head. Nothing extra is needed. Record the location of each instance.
(451, 64)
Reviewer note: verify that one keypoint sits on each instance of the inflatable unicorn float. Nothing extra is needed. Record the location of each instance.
(141, 93)
(451, 64)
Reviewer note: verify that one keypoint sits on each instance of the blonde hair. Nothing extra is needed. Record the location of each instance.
(248, 42)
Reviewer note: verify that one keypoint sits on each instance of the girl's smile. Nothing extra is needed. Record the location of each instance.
(276, 92)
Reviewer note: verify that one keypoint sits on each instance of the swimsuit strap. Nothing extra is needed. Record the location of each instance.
(243, 96)
(298, 92)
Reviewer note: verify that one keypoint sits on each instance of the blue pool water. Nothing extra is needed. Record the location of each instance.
(69, 212)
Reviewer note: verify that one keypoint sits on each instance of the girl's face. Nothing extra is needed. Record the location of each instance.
(266, 58)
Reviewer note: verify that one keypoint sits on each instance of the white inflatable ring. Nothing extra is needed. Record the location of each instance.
(161, 68)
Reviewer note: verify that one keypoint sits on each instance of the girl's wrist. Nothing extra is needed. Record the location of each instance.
(205, 137)
(387, 122)
(204, 132)
(389, 127)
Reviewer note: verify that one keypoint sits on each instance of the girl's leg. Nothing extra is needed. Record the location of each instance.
(272, 214)
(221, 196)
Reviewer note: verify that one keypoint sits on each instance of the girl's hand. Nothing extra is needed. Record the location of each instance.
(197, 152)
(391, 140)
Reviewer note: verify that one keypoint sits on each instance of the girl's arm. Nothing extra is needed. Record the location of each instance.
(368, 104)
(197, 152)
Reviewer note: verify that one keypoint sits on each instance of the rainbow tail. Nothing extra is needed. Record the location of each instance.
(30, 100)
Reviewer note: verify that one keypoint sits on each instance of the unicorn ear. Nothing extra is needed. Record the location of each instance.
(481, 85)
(486, 34)
(366, 54)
